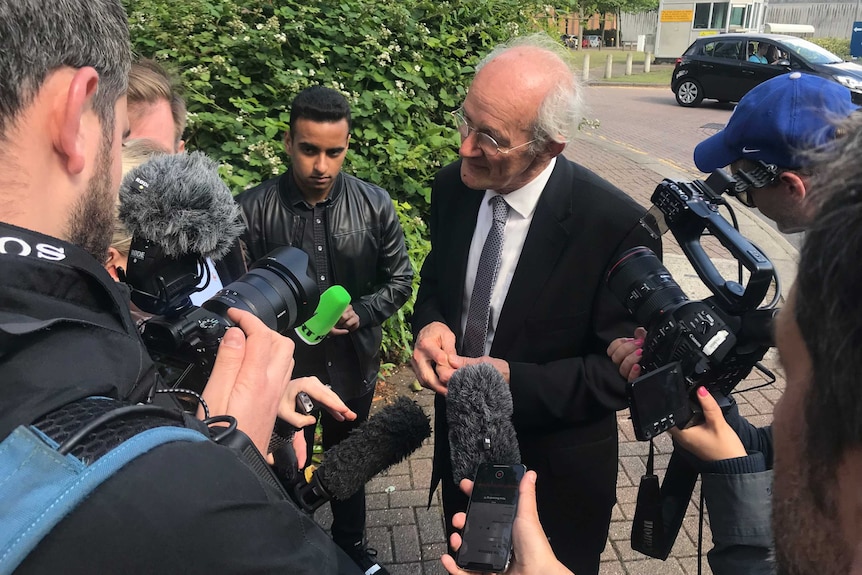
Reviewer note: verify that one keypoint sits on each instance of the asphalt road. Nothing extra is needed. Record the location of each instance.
(648, 121)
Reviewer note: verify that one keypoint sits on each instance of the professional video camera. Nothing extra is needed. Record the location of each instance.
(277, 289)
(714, 342)
(180, 214)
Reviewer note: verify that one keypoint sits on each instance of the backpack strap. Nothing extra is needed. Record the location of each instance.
(39, 485)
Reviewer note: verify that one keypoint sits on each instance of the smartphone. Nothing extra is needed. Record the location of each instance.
(486, 543)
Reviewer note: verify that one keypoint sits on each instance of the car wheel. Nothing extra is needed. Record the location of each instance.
(689, 93)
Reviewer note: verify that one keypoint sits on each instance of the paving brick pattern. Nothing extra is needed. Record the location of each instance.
(410, 538)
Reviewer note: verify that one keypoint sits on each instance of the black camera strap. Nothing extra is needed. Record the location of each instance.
(659, 511)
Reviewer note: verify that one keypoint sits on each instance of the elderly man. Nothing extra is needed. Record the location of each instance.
(818, 423)
(521, 240)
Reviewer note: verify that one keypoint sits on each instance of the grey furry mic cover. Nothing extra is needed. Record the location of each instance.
(479, 407)
(179, 202)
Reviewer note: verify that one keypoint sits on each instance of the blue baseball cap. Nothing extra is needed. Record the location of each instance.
(776, 121)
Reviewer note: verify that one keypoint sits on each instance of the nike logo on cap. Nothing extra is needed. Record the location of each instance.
(747, 150)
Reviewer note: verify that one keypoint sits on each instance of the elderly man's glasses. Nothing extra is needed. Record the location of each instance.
(486, 143)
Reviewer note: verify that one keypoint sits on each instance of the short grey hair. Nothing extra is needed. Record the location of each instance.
(38, 37)
(561, 112)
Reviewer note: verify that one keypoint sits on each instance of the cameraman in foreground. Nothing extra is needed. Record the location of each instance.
(66, 333)
(818, 422)
(779, 123)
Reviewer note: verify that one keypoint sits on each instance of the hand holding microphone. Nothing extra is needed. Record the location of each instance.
(333, 305)
(384, 440)
(479, 412)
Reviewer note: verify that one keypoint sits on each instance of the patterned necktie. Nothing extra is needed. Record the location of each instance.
(476, 330)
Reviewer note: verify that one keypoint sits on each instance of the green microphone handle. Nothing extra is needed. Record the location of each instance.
(332, 304)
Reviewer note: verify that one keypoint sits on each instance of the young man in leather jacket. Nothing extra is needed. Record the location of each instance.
(353, 238)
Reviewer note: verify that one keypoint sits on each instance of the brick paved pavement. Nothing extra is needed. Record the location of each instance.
(410, 538)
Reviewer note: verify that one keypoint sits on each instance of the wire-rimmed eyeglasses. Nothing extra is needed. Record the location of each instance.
(486, 143)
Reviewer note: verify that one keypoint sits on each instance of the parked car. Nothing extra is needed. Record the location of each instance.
(592, 41)
(725, 67)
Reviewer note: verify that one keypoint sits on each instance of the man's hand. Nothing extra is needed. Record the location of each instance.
(434, 344)
(459, 361)
(250, 376)
(714, 439)
(321, 394)
(532, 554)
(626, 353)
(349, 321)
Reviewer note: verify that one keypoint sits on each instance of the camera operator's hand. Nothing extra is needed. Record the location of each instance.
(250, 376)
(434, 344)
(322, 395)
(626, 352)
(712, 440)
(349, 321)
(532, 554)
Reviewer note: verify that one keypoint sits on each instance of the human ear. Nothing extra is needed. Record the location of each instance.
(72, 137)
(115, 262)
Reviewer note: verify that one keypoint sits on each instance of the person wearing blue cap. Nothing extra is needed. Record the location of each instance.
(779, 123)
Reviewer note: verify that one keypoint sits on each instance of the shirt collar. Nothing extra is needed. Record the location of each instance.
(524, 199)
(294, 197)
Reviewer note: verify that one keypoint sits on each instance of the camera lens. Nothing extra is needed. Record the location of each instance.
(277, 289)
(499, 475)
(644, 286)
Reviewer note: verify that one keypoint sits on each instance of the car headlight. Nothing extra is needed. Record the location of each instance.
(849, 81)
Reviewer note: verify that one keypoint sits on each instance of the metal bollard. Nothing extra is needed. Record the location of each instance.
(586, 67)
(629, 64)
(609, 66)
(647, 61)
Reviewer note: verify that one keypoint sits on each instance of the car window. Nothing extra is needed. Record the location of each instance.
(811, 52)
(723, 49)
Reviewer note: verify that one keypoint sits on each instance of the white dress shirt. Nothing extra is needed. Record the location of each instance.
(522, 205)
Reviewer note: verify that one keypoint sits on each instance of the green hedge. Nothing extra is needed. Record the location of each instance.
(838, 46)
(402, 64)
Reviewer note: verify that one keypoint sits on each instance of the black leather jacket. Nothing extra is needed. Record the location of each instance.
(366, 244)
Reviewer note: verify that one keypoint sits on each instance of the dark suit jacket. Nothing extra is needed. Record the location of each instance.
(556, 323)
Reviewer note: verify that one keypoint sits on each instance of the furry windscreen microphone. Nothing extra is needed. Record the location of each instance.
(377, 444)
(179, 202)
(479, 413)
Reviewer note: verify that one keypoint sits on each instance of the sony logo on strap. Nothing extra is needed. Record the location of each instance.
(17, 247)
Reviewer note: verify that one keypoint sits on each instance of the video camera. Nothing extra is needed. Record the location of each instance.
(277, 289)
(714, 342)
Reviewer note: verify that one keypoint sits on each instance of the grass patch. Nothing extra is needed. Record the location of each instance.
(652, 78)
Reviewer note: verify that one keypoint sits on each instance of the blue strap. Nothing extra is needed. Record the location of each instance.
(39, 487)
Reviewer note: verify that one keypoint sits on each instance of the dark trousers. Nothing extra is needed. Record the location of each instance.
(348, 517)
(576, 487)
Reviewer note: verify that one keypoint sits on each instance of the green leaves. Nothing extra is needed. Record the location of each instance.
(402, 64)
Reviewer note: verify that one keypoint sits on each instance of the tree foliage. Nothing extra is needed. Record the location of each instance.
(402, 64)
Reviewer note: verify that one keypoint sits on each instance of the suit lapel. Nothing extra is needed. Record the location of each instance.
(546, 239)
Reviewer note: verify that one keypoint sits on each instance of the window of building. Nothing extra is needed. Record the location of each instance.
(719, 14)
(738, 16)
(710, 15)
(701, 14)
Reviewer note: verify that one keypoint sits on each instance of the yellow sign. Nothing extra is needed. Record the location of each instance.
(677, 15)
(708, 33)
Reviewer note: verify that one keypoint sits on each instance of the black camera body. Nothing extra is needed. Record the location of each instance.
(714, 342)
(184, 338)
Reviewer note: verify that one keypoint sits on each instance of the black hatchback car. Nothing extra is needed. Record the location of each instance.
(725, 67)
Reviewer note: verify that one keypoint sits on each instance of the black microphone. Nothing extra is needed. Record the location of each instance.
(479, 413)
(179, 212)
(377, 444)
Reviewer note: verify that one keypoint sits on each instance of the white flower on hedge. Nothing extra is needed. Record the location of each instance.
(417, 67)
(281, 37)
(259, 26)
(311, 72)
